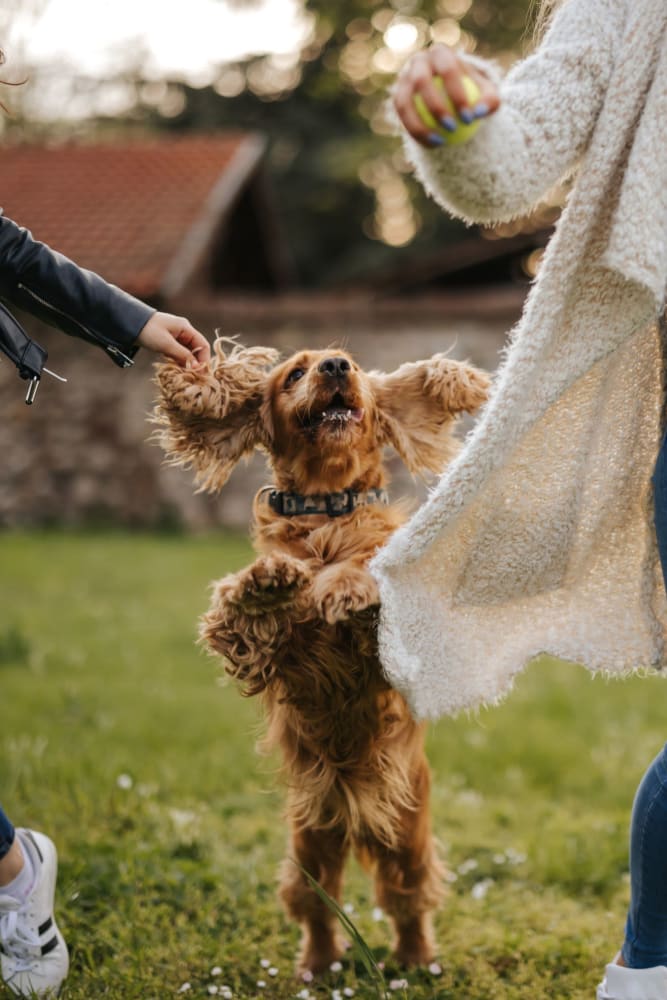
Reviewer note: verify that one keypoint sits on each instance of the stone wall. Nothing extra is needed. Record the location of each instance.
(81, 454)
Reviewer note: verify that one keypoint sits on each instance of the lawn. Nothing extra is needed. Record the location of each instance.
(121, 740)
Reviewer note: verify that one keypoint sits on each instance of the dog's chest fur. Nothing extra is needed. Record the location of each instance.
(329, 708)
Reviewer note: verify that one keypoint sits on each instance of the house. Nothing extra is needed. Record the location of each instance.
(163, 218)
(159, 217)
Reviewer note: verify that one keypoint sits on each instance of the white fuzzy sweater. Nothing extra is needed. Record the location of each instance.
(539, 536)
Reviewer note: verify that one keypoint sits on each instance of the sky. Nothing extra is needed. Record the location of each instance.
(184, 37)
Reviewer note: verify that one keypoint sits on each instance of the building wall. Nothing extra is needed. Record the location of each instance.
(82, 453)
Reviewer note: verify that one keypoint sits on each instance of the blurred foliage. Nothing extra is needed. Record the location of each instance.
(344, 192)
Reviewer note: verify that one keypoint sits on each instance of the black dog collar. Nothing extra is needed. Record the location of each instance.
(332, 504)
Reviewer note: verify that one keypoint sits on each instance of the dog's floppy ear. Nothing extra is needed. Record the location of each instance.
(418, 404)
(211, 418)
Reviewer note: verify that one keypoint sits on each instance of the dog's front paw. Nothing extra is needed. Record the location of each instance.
(345, 595)
(272, 581)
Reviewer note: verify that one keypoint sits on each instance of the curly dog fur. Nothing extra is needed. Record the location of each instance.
(298, 625)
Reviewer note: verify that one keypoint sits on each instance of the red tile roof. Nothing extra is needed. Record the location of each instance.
(123, 210)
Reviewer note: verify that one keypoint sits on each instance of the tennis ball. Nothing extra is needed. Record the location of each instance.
(463, 132)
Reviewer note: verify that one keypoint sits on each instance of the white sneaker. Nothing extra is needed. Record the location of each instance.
(32, 950)
(620, 983)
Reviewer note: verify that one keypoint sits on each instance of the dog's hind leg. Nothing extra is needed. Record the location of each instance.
(322, 854)
(409, 880)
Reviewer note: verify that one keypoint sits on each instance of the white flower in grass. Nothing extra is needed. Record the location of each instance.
(184, 988)
(499, 859)
(304, 995)
(226, 993)
(378, 913)
(515, 857)
(336, 995)
(435, 969)
(264, 962)
(480, 889)
(273, 971)
(216, 971)
(213, 990)
(466, 866)
(336, 966)
(451, 877)
(398, 984)
(147, 790)
(348, 992)
(125, 782)
(307, 976)
(261, 984)
(182, 818)
(348, 908)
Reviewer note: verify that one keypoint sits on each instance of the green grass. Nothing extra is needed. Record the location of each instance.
(165, 879)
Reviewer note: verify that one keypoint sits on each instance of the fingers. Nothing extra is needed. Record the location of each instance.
(489, 98)
(172, 349)
(435, 80)
(176, 338)
(414, 76)
(195, 342)
(446, 65)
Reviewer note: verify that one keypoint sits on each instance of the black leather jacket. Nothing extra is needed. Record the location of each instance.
(76, 301)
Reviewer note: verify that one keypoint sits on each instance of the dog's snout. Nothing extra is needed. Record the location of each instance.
(335, 367)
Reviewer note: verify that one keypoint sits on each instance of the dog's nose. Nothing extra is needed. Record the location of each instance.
(335, 367)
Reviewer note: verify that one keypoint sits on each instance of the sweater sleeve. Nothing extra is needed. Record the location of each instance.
(549, 105)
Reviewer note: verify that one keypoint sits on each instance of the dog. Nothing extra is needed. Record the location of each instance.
(298, 626)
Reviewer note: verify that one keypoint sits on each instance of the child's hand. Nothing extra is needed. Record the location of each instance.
(175, 337)
(417, 77)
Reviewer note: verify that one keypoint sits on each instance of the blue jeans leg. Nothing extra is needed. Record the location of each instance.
(6, 834)
(660, 505)
(646, 928)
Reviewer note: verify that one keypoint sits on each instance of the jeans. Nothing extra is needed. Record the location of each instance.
(645, 942)
(6, 834)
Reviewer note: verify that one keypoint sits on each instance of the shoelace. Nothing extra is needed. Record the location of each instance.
(20, 943)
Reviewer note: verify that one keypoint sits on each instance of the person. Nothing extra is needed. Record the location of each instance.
(34, 956)
(544, 534)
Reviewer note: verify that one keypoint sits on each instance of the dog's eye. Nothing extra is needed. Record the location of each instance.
(294, 376)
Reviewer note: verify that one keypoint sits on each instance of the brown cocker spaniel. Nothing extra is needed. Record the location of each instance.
(298, 625)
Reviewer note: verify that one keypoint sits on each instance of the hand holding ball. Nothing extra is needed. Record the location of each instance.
(463, 132)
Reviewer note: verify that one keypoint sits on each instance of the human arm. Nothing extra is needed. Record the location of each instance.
(548, 107)
(79, 302)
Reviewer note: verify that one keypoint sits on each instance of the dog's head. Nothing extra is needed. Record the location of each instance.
(321, 414)
(323, 421)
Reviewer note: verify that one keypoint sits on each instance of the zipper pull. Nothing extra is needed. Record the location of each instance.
(61, 378)
(111, 349)
(33, 385)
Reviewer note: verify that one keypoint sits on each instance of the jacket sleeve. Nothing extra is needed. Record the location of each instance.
(78, 302)
(549, 105)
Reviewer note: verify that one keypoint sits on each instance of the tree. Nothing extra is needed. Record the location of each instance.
(343, 187)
